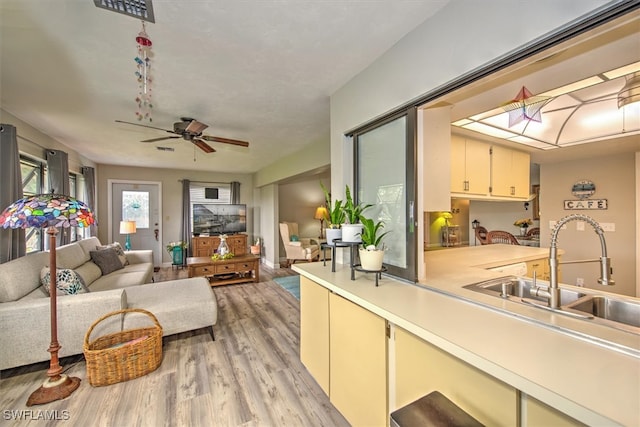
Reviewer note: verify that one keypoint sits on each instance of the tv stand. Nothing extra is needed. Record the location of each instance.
(207, 246)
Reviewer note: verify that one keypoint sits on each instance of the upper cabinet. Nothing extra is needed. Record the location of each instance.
(470, 166)
(509, 172)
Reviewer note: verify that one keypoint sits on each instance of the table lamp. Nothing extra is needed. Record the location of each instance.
(128, 228)
(321, 214)
(50, 211)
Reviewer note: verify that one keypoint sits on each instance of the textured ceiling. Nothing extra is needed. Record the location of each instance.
(260, 71)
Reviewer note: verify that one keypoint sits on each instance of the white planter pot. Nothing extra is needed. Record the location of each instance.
(371, 260)
(351, 233)
(333, 233)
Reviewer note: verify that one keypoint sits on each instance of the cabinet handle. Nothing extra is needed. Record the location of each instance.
(513, 191)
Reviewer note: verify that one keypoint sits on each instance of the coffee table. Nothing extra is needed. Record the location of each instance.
(239, 269)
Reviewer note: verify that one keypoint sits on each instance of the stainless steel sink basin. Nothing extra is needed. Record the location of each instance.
(615, 311)
(610, 308)
(520, 287)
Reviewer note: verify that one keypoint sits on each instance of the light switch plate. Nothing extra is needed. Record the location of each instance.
(608, 226)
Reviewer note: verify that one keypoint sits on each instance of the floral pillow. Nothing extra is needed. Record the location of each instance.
(68, 282)
(118, 248)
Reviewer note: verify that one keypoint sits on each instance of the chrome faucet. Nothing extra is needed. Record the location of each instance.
(553, 293)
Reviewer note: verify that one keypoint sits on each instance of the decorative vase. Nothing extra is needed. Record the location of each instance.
(523, 231)
(371, 260)
(223, 248)
(333, 233)
(351, 233)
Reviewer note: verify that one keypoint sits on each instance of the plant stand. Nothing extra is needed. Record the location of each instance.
(378, 273)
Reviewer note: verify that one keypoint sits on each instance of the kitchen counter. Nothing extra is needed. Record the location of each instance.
(549, 356)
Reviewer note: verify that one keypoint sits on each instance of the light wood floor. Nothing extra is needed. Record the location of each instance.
(251, 375)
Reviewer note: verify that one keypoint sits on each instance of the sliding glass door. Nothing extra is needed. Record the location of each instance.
(385, 177)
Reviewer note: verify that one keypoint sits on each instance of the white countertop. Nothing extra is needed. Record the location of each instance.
(526, 347)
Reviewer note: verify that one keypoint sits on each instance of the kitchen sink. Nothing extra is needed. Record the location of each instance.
(610, 308)
(615, 311)
(520, 287)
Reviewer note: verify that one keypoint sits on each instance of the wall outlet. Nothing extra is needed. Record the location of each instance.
(580, 225)
(580, 281)
(608, 226)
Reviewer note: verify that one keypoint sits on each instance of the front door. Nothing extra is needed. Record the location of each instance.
(139, 202)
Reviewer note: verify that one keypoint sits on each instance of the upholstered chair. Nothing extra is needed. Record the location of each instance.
(298, 248)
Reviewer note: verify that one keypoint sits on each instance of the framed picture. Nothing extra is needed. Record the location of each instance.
(536, 202)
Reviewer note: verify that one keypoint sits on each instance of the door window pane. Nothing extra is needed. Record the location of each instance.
(135, 207)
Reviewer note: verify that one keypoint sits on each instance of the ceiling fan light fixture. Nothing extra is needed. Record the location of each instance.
(630, 92)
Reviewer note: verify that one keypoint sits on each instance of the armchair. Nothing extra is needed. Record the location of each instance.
(304, 248)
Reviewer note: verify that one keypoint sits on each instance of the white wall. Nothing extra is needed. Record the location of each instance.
(461, 37)
(171, 196)
(614, 177)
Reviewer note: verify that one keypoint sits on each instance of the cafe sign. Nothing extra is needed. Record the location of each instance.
(595, 204)
(583, 190)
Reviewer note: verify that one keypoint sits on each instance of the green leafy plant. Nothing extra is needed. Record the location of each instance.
(352, 211)
(335, 211)
(371, 233)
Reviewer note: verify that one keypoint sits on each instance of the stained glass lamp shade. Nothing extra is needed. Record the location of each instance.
(50, 211)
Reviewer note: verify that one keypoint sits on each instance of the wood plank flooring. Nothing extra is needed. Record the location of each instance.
(251, 375)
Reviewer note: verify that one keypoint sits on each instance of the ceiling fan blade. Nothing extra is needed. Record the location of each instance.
(144, 126)
(203, 145)
(159, 139)
(195, 127)
(225, 140)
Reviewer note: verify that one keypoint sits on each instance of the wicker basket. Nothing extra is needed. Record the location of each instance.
(124, 355)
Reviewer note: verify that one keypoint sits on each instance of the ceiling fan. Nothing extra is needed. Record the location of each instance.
(190, 130)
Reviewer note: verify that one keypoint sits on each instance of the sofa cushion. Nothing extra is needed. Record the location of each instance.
(68, 282)
(89, 272)
(70, 256)
(107, 260)
(21, 276)
(118, 248)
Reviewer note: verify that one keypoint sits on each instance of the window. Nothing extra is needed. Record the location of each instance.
(32, 183)
(135, 207)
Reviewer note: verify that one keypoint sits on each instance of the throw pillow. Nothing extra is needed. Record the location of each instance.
(107, 260)
(68, 282)
(118, 248)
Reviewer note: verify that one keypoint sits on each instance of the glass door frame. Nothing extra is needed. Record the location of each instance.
(410, 272)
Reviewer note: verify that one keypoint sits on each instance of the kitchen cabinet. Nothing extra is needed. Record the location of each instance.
(470, 166)
(509, 172)
(357, 363)
(542, 269)
(537, 414)
(421, 368)
(344, 347)
(314, 331)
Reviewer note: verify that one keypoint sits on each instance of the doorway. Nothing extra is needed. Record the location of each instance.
(138, 201)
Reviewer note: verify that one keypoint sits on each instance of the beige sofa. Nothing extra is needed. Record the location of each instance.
(179, 305)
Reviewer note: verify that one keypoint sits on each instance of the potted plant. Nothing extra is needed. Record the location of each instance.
(353, 227)
(371, 251)
(335, 216)
(523, 223)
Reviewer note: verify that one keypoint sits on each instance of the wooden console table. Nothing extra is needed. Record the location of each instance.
(239, 269)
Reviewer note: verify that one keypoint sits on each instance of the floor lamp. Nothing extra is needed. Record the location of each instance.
(50, 211)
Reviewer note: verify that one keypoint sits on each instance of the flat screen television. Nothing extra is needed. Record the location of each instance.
(214, 219)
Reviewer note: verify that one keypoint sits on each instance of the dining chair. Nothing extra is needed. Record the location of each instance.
(499, 236)
(534, 232)
(481, 234)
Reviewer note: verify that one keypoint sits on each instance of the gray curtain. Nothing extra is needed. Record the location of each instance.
(89, 175)
(12, 242)
(235, 192)
(58, 177)
(186, 218)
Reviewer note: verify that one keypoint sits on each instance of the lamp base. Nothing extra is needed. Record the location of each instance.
(127, 243)
(54, 390)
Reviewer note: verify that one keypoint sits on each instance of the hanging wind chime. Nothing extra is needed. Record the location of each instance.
(143, 61)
